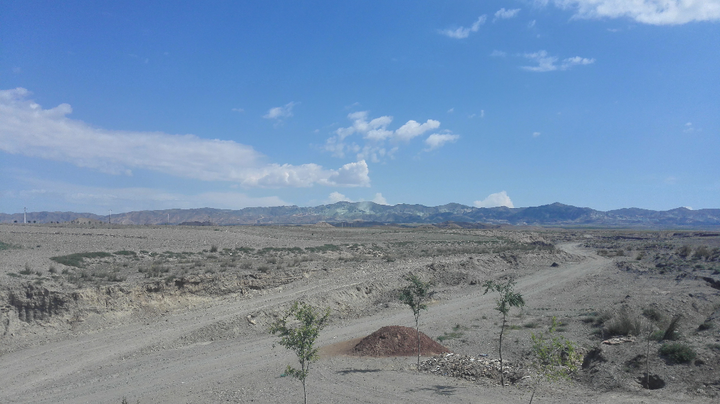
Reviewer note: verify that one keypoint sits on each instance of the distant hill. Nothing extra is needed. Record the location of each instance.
(360, 214)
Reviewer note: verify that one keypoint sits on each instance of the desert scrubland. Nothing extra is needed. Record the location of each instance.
(180, 314)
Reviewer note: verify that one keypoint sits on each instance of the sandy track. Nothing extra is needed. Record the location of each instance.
(146, 360)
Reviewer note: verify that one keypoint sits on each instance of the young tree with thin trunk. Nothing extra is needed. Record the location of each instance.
(301, 338)
(507, 298)
(415, 295)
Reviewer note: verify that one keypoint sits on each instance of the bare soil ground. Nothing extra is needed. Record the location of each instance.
(180, 314)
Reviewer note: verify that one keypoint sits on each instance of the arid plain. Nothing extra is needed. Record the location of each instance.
(180, 314)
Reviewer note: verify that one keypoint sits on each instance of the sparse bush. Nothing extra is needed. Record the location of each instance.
(624, 323)
(456, 332)
(77, 259)
(684, 251)
(556, 357)
(701, 252)
(706, 325)
(677, 352)
(671, 331)
(125, 252)
(213, 249)
(653, 315)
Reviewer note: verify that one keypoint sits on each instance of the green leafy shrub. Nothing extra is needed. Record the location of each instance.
(556, 357)
(677, 352)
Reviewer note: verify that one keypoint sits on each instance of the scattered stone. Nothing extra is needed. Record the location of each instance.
(618, 340)
(470, 368)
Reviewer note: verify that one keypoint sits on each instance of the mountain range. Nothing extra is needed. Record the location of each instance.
(369, 213)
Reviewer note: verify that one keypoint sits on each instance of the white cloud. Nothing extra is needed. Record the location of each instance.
(376, 135)
(498, 54)
(379, 199)
(504, 14)
(531, 24)
(412, 129)
(240, 110)
(655, 12)
(536, 134)
(451, 110)
(494, 200)
(281, 112)
(547, 63)
(437, 140)
(337, 197)
(462, 32)
(59, 195)
(28, 129)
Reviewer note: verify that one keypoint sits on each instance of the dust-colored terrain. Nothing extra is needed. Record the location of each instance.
(92, 314)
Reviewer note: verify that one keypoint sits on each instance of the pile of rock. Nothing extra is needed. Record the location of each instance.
(468, 367)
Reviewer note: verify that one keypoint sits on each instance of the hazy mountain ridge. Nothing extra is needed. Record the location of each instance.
(555, 214)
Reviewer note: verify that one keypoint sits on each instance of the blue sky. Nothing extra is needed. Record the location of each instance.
(122, 106)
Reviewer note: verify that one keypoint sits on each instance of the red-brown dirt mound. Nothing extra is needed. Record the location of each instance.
(395, 340)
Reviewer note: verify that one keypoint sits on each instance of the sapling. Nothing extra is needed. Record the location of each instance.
(415, 295)
(301, 338)
(507, 298)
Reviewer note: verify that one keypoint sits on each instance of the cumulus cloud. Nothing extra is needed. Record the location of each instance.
(462, 32)
(437, 140)
(655, 12)
(337, 197)
(505, 14)
(412, 129)
(281, 112)
(547, 63)
(379, 199)
(376, 136)
(28, 129)
(495, 200)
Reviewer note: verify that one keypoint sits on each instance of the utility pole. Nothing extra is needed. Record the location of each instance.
(109, 216)
(25, 216)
